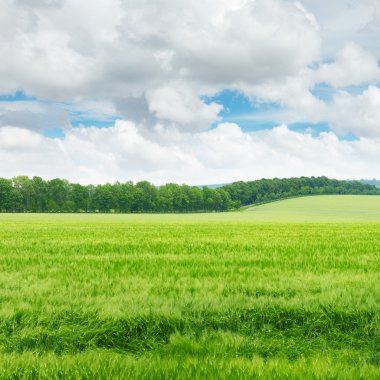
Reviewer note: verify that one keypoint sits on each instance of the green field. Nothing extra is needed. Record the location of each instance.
(289, 289)
(326, 208)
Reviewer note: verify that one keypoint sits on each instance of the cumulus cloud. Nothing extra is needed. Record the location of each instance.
(33, 115)
(294, 94)
(219, 155)
(179, 104)
(153, 64)
(352, 66)
(122, 49)
(19, 139)
(151, 61)
(347, 20)
(357, 114)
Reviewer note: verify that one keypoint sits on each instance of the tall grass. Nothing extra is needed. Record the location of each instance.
(165, 297)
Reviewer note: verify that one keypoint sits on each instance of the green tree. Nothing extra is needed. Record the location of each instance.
(5, 195)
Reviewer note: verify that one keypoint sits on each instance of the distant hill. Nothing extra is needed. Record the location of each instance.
(373, 182)
(216, 186)
(266, 190)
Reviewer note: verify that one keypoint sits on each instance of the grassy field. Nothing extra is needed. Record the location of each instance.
(322, 208)
(227, 296)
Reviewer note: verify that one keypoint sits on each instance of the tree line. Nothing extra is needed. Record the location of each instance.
(266, 190)
(23, 194)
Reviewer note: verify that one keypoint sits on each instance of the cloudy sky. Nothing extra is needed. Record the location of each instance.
(207, 91)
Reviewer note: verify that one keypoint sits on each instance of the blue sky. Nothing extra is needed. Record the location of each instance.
(251, 114)
(254, 114)
(214, 92)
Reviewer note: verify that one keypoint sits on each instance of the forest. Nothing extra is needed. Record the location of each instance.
(24, 194)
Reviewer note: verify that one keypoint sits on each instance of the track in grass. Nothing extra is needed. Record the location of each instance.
(189, 296)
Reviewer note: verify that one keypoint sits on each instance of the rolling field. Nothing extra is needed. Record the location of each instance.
(289, 289)
(322, 208)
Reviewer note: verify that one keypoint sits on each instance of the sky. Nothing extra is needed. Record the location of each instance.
(196, 92)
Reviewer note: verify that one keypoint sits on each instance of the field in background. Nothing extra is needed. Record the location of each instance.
(194, 296)
(321, 208)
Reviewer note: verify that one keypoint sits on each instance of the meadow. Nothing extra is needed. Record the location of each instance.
(288, 289)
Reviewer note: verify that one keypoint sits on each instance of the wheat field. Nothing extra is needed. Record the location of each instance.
(192, 296)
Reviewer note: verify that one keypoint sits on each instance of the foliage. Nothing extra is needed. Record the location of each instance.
(266, 190)
(22, 194)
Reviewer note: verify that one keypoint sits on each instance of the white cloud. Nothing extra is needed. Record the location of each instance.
(150, 62)
(357, 114)
(352, 66)
(125, 48)
(293, 93)
(34, 115)
(220, 155)
(180, 104)
(347, 20)
(16, 139)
